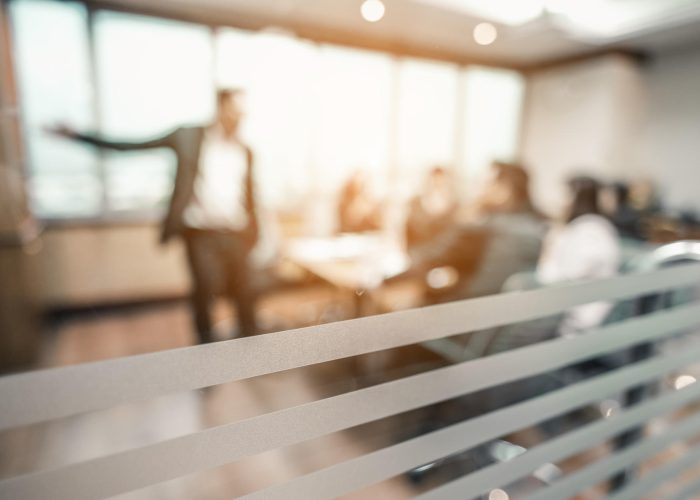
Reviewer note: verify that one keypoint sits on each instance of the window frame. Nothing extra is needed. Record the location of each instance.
(107, 216)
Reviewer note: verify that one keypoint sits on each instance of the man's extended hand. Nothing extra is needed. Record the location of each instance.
(62, 130)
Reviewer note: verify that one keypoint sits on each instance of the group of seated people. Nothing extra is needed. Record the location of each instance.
(503, 234)
(507, 238)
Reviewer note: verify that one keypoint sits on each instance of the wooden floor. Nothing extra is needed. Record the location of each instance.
(107, 334)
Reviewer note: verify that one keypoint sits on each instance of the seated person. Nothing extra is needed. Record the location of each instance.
(505, 240)
(644, 198)
(358, 211)
(586, 247)
(615, 202)
(432, 211)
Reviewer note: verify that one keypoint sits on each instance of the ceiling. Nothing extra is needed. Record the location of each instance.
(558, 29)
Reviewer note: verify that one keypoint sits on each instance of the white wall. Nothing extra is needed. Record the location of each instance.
(670, 143)
(617, 119)
(581, 118)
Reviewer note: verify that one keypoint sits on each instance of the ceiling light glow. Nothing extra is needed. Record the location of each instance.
(593, 21)
(508, 12)
(485, 33)
(372, 10)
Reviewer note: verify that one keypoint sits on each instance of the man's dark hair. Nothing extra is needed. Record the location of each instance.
(622, 193)
(584, 191)
(515, 176)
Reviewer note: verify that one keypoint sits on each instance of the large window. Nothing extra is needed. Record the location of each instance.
(427, 120)
(277, 74)
(314, 113)
(352, 130)
(152, 76)
(491, 126)
(54, 79)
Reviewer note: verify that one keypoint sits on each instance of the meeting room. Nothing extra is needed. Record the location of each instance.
(354, 249)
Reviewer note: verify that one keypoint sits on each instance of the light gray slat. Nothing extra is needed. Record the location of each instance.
(501, 474)
(383, 464)
(608, 467)
(658, 476)
(687, 492)
(210, 448)
(49, 394)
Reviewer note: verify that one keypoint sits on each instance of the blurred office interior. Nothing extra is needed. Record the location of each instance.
(378, 107)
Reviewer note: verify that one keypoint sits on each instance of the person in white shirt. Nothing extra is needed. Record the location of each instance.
(586, 247)
(220, 221)
(433, 210)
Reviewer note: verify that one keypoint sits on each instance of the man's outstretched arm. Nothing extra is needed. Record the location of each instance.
(156, 142)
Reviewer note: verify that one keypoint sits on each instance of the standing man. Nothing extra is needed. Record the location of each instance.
(212, 207)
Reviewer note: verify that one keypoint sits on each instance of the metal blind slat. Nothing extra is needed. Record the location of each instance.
(643, 485)
(604, 469)
(573, 442)
(159, 462)
(386, 463)
(49, 394)
(686, 492)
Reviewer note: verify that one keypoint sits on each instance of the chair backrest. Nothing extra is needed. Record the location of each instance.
(669, 255)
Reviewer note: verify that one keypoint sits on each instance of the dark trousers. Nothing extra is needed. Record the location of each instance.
(218, 262)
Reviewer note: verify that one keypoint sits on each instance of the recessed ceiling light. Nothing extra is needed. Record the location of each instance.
(485, 33)
(372, 10)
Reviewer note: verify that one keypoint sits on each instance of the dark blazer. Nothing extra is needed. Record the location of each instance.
(186, 143)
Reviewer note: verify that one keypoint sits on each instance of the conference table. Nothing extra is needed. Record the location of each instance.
(356, 262)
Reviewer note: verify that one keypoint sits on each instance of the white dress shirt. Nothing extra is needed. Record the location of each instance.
(218, 200)
(586, 248)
